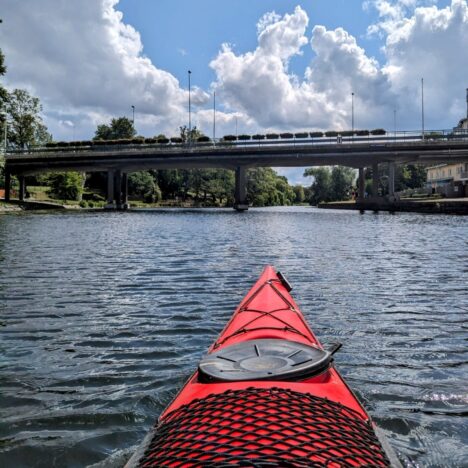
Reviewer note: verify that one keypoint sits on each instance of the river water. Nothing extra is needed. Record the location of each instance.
(104, 315)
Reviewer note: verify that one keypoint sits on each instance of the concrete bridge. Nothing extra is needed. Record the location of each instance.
(118, 161)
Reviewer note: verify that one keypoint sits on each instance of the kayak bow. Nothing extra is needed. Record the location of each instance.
(267, 394)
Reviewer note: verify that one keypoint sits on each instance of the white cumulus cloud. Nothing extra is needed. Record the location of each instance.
(420, 40)
(87, 65)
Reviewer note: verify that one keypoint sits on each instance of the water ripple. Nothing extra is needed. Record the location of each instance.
(104, 316)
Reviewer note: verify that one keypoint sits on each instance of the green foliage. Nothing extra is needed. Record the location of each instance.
(410, 176)
(189, 135)
(25, 126)
(258, 137)
(272, 136)
(301, 135)
(229, 138)
(299, 194)
(407, 176)
(342, 181)
(378, 131)
(170, 181)
(244, 137)
(316, 134)
(66, 185)
(330, 184)
(142, 185)
(331, 133)
(286, 136)
(266, 188)
(321, 187)
(120, 128)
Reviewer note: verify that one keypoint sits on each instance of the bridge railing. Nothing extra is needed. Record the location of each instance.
(388, 137)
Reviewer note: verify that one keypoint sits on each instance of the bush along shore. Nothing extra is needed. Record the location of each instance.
(169, 187)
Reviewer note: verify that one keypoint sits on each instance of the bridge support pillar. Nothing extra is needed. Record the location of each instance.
(110, 191)
(375, 180)
(7, 185)
(22, 187)
(240, 195)
(391, 179)
(361, 184)
(125, 204)
(118, 189)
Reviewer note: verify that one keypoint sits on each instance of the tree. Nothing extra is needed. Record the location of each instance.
(189, 135)
(141, 184)
(26, 127)
(170, 182)
(299, 194)
(67, 185)
(266, 188)
(119, 129)
(341, 183)
(321, 186)
(330, 184)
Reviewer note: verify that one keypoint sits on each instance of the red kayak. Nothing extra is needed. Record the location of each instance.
(267, 394)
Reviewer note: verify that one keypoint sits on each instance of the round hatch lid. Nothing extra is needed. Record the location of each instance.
(267, 359)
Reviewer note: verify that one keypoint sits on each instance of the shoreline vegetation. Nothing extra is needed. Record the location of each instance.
(422, 205)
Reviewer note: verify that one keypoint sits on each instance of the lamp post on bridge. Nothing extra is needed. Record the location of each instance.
(422, 107)
(190, 105)
(214, 117)
(352, 114)
(133, 116)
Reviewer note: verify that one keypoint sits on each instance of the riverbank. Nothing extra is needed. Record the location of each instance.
(458, 206)
(16, 206)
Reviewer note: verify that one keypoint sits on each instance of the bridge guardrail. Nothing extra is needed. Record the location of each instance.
(390, 137)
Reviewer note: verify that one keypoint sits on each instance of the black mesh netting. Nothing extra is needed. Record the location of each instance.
(259, 427)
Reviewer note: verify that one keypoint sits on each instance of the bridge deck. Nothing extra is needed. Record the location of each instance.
(287, 154)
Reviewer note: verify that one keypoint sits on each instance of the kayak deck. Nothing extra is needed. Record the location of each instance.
(264, 427)
(232, 412)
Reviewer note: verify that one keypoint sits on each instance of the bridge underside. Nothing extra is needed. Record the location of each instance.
(119, 162)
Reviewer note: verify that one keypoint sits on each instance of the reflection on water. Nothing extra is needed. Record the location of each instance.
(103, 316)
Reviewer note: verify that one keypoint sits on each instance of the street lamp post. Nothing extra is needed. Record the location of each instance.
(422, 107)
(214, 116)
(352, 113)
(133, 116)
(394, 123)
(190, 105)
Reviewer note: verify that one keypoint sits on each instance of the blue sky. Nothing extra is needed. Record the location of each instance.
(170, 29)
